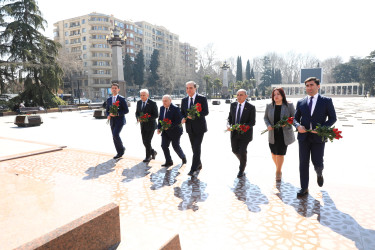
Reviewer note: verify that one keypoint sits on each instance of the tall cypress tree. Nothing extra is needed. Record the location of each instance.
(128, 70)
(248, 72)
(252, 75)
(26, 51)
(239, 69)
(153, 78)
(139, 67)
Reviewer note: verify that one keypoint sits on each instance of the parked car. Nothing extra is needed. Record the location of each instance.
(82, 100)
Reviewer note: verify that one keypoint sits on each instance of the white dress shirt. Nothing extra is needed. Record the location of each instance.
(314, 100)
(193, 99)
(115, 98)
(242, 107)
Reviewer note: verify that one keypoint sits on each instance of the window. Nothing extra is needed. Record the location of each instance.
(84, 47)
(84, 38)
(84, 56)
(66, 25)
(66, 42)
(83, 21)
(85, 64)
(83, 30)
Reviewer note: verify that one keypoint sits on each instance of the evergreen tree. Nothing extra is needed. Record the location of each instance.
(153, 78)
(239, 69)
(252, 76)
(248, 72)
(139, 68)
(266, 74)
(28, 53)
(367, 73)
(128, 70)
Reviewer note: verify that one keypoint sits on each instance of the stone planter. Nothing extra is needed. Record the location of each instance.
(28, 120)
(228, 101)
(215, 102)
(100, 114)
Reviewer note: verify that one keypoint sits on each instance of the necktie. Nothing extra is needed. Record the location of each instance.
(143, 106)
(165, 112)
(191, 102)
(238, 118)
(114, 99)
(310, 104)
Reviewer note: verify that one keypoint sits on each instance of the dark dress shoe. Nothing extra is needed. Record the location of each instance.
(147, 159)
(154, 155)
(302, 192)
(191, 173)
(240, 174)
(167, 164)
(184, 161)
(320, 180)
(117, 156)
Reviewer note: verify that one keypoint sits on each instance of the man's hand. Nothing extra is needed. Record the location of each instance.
(189, 117)
(183, 120)
(111, 115)
(229, 129)
(301, 129)
(270, 128)
(158, 132)
(314, 132)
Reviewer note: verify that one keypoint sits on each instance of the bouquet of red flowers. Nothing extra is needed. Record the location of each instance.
(327, 132)
(144, 117)
(194, 111)
(114, 109)
(165, 124)
(286, 121)
(241, 128)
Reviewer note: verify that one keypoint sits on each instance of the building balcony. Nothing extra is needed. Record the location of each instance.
(99, 32)
(100, 23)
(93, 67)
(100, 49)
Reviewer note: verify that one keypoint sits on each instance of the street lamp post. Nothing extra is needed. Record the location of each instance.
(224, 90)
(117, 40)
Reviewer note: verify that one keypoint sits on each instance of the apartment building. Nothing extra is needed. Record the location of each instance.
(86, 37)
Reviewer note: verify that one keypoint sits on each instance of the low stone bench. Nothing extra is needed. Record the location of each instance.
(228, 101)
(94, 105)
(68, 107)
(33, 110)
(100, 114)
(28, 120)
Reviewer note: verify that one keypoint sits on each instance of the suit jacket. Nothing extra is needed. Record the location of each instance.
(174, 114)
(286, 110)
(152, 109)
(247, 118)
(199, 125)
(323, 109)
(123, 109)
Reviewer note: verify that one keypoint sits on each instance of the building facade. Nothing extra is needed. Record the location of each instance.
(86, 38)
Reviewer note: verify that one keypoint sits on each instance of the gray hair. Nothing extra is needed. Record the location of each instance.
(191, 82)
(167, 96)
(242, 90)
(144, 91)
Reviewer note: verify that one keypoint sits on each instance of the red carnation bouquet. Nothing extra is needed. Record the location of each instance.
(165, 124)
(327, 132)
(194, 111)
(114, 109)
(144, 117)
(241, 128)
(286, 121)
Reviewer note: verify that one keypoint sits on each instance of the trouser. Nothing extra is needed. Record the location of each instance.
(166, 141)
(309, 148)
(116, 129)
(147, 136)
(196, 143)
(239, 148)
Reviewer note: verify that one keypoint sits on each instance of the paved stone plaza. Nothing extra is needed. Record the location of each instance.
(215, 210)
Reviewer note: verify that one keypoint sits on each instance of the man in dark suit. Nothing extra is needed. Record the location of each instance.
(241, 112)
(173, 133)
(145, 105)
(118, 121)
(310, 111)
(194, 127)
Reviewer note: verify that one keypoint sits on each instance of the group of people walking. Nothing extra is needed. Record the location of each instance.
(309, 112)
